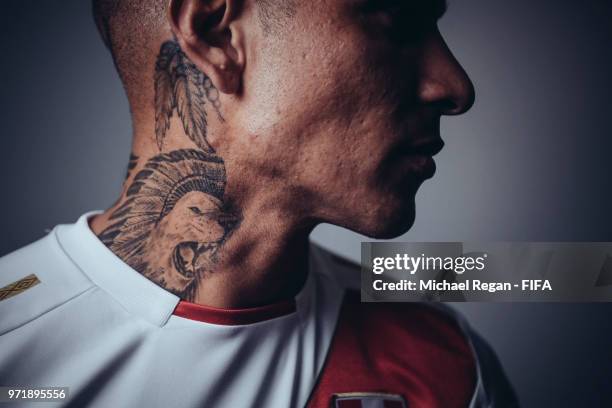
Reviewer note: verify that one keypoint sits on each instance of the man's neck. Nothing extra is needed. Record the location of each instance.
(178, 223)
(174, 225)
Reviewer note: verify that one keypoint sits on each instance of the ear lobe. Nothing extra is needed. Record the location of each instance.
(204, 31)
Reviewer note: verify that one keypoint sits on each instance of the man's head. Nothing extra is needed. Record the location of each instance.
(327, 109)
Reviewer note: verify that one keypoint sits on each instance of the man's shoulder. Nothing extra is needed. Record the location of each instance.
(344, 272)
(409, 349)
(390, 326)
(35, 279)
(419, 317)
(430, 339)
(393, 325)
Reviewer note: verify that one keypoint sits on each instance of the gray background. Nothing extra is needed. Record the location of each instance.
(528, 163)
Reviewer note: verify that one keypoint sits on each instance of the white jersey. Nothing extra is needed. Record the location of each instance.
(84, 319)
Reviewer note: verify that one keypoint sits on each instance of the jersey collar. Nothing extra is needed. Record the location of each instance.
(141, 297)
(233, 317)
(137, 294)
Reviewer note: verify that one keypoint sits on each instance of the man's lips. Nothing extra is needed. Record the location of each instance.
(424, 147)
(417, 155)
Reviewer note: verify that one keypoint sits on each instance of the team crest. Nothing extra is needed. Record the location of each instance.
(368, 400)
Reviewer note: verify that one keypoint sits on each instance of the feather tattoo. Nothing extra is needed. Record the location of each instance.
(181, 86)
(189, 101)
(164, 97)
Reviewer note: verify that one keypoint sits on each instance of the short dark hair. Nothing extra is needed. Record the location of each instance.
(271, 13)
(131, 31)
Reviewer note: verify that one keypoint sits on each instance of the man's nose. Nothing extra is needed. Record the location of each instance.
(443, 82)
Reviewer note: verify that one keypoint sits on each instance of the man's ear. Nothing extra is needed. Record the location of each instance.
(207, 34)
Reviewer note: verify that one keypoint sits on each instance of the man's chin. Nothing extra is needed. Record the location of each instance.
(389, 224)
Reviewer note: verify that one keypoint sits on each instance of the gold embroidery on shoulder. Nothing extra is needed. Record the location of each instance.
(18, 287)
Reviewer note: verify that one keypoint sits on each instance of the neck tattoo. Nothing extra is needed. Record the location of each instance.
(174, 219)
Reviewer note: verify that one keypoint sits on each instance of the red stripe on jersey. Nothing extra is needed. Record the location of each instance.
(349, 404)
(233, 317)
(358, 404)
(408, 349)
